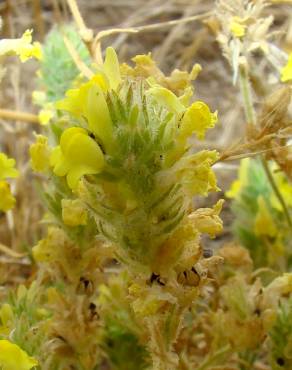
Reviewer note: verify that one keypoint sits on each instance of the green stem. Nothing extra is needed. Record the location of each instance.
(245, 89)
(277, 191)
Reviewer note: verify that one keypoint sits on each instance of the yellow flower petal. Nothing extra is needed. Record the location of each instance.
(13, 357)
(7, 200)
(89, 102)
(68, 135)
(21, 47)
(82, 150)
(167, 98)
(73, 102)
(237, 28)
(58, 161)
(112, 68)
(45, 115)
(77, 155)
(98, 116)
(7, 167)
(286, 72)
(196, 174)
(197, 119)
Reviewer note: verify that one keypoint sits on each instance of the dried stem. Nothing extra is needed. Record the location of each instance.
(8, 114)
(10, 252)
(38, 18)
(85, 33)
(148, 27)
(76, 58)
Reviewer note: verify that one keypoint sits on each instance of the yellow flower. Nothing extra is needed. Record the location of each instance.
(45, 115)
(111, 68)
(23, 47)
(76, 156)
(167, 98)
(40, 154)
(196, 174)
(7, 200)
(286, 72)
(89, 102)
(207, 220)
(13, 357)
(7, 167)
(237, 28)
(197, 119)
(73, 212)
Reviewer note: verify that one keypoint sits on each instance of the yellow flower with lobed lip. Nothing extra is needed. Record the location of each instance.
(89, 100)
(77, 155)
(7, 167)
(197, 119)
(13, 357)
(23, 47)
(286, 72)
(195, 172)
